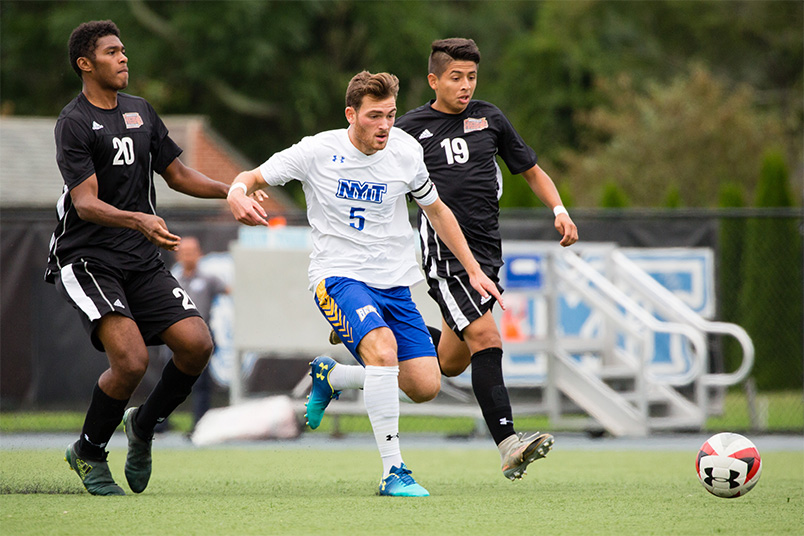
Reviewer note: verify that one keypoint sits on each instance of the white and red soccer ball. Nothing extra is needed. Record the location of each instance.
(728, 465)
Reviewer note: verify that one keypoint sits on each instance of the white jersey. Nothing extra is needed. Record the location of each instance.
(356, 205)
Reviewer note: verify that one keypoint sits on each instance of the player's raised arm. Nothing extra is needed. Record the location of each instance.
(192, 182)
(544, 188)
(246, 209)
(443, 221)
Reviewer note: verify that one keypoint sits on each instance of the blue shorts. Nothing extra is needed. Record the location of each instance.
(354, 308)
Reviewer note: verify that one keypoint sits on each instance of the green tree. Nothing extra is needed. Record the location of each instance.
(551, 74)
(268, 73)
(731, 244)
(613, 196)
(565, 191)
(672, 198)
(770, 306)
(694, 132)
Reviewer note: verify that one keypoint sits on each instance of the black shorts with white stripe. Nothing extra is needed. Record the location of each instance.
(152, 298)
(459, 302)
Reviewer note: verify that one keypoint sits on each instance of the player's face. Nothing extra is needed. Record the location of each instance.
(370, 125)
(455, 87)
(189, 253)
(110, 66)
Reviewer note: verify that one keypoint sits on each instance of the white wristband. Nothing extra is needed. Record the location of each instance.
(559, 209)
(238, 185)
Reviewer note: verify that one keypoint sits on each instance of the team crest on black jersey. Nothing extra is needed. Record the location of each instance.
(133, 120)
(471, 124)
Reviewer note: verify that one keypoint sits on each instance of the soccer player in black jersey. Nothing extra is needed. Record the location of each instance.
(461, 138)
(104, 255)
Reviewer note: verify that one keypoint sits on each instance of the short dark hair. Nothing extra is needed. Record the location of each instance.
(379, 86)
(445, 51)
(84, 39)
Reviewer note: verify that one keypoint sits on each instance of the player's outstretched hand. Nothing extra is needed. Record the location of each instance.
(246, 210)
(566, 227)
(259, 196)
(155, 230)
(485, 287)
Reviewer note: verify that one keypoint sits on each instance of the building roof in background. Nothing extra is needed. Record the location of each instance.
(30, 178)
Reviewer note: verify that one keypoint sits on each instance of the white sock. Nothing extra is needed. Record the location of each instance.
(354, 377)
(381, 396)
(347, 377)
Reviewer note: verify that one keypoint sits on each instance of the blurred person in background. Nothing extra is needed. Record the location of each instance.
(203, 289)
(104, 255)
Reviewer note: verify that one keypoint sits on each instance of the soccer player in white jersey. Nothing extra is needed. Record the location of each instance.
(355, 182)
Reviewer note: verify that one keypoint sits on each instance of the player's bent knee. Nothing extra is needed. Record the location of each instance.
(197, 348)
(130, 367)
(428, 395)
(192, 358)
(424, 391)
(203, 348)
(450, 371)
(385, 357)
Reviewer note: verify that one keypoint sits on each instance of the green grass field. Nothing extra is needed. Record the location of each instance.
(306, 491)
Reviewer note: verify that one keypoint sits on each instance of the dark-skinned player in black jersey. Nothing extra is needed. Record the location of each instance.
(104, 255)
(461, 138)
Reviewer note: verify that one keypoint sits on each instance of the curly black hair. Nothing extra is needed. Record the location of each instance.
(85, 37)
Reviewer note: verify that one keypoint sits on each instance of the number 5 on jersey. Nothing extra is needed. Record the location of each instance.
(360, 221)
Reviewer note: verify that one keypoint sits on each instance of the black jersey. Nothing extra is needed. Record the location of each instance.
(122, 147)
(460, 150)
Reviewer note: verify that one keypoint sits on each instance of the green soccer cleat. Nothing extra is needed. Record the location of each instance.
(94, 474)
(321, 392)
(138, 458)
(399, 483)
(519, 450)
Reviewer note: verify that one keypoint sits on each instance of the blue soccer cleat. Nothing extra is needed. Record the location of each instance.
(399, 483)
(321, 392)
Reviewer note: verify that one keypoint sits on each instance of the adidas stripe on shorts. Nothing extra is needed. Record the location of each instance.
(152, 298)
(458, 300)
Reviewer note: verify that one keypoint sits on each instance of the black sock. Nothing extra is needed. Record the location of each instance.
(173, 388)
(491, 394)
(103, 417)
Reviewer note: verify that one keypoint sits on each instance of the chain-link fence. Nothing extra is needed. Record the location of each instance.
(758, 285)
(760, 288)
(758, 280)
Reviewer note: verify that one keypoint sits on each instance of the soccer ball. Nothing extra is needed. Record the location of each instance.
(728, 465)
